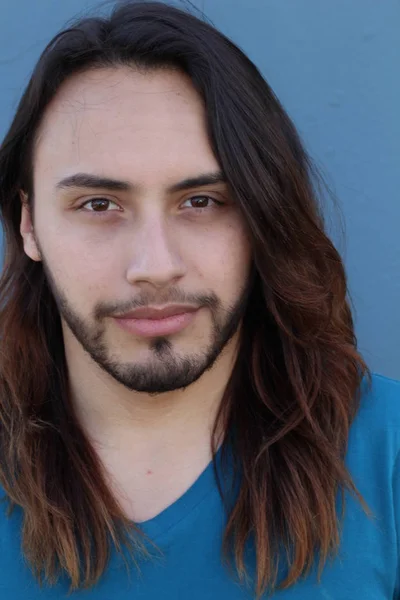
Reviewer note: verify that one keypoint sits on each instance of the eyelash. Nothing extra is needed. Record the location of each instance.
(105, 212)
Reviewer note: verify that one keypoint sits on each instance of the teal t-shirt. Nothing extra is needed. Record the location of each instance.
(189, 533)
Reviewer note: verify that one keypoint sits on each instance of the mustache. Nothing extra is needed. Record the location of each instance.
(173, 296)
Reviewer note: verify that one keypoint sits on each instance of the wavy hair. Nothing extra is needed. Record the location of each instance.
(296, 384)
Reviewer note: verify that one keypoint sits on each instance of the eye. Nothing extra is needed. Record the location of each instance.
(200, 202)
(99, 205)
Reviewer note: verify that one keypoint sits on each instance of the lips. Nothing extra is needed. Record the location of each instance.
(156, 322)
(159, 313)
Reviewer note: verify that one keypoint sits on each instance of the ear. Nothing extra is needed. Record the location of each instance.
(26, 229)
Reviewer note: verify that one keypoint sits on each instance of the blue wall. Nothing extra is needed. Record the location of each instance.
(335, 66)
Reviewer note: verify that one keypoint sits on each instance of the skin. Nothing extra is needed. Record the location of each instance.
(147, 404)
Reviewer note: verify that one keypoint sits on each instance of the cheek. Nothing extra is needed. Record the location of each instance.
(223, 260)
(79, 269)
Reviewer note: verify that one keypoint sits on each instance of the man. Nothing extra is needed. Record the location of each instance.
(180, 384)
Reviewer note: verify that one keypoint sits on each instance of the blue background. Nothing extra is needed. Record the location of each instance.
(334, 65)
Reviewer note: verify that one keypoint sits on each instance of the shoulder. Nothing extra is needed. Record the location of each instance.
(374, 436)
(380, 404)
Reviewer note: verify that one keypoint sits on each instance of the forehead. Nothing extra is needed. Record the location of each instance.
(125, 123)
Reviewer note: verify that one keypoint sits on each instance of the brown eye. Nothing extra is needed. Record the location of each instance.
(200, 202)
(99, 205)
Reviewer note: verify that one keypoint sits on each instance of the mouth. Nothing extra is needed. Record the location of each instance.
(154, 322)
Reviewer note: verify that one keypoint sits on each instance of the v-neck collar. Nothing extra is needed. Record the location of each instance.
(183, 506)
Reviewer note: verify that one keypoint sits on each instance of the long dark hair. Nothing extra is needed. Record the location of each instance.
(296, 385)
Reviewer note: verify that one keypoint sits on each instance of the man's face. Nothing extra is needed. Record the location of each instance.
(150, 240)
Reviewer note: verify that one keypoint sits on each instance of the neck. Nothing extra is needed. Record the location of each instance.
(174, 421)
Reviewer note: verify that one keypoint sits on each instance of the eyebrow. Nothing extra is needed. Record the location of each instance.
(88, 180)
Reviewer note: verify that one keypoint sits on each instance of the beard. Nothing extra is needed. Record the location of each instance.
(166, 370)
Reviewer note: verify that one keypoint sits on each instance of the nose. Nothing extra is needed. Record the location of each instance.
(156, 258)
